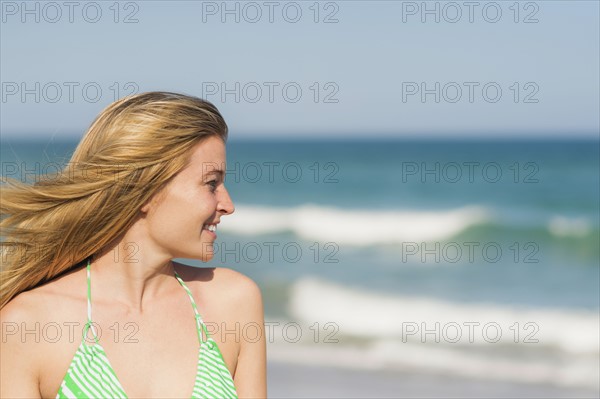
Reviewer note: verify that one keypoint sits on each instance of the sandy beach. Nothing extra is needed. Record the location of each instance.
(300, 381)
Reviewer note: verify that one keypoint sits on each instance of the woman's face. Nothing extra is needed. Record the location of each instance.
(180, 218)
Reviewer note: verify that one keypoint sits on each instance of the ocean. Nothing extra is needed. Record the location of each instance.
(474, 260)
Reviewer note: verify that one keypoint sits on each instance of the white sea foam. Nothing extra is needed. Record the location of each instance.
(560, 346)
(355, 227)
(563, 226)
(392, 355)
(368, 314)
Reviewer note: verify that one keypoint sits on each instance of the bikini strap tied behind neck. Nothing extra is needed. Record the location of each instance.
(90, 323)
(199, 323)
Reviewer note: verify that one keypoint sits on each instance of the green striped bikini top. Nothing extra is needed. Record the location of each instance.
(90, 374)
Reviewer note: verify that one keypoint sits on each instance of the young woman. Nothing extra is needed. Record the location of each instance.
(92, 305)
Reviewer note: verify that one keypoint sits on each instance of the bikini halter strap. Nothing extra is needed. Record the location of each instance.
(200, 327)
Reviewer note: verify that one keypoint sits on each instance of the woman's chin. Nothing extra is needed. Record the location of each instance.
(207, 252)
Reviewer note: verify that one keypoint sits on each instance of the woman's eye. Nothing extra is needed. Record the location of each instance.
(213, 185)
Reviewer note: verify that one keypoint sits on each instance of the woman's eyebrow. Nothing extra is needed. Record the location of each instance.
(217, 172)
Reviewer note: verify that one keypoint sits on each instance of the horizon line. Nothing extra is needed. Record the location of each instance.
(351, 136)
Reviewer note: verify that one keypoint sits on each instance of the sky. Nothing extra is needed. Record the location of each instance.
(308, 69)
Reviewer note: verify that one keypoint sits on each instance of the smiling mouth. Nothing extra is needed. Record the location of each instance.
(210, 227)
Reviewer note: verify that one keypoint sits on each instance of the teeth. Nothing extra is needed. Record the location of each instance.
(211, 227)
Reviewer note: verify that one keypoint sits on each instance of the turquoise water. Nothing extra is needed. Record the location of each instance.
(540, 200)
(546, 199)
(423, 231)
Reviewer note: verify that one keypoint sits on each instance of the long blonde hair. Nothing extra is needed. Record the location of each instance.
(129, 153)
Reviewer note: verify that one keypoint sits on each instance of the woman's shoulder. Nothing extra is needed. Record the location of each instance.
(33, 323)
(43, 302)
(231, 286)
(219, 278)
(21, 360)
(22, 308)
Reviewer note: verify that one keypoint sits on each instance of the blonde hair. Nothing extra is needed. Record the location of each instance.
(129, 153)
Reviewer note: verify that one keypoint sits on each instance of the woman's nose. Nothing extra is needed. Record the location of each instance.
(225, 203)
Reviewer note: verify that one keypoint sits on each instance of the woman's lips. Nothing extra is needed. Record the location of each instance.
(210, 233)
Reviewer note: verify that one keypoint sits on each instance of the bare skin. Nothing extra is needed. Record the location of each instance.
(145, 317)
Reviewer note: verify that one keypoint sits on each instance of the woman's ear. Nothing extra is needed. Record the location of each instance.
(145, 208)
(152, 202)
